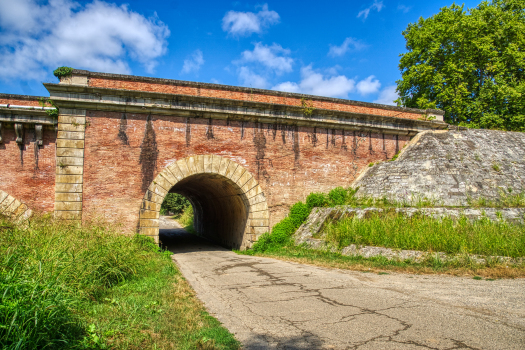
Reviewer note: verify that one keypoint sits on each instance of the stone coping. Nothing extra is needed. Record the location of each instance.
(132, 101)
(162, 81)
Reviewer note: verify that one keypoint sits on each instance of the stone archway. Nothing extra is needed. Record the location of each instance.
(229, 204)
(13, 208)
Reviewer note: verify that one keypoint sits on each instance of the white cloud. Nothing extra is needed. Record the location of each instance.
(251, 79)
(377, 5)
(404, 8)
(193, 63)
(369, 85)
(246, 23)
(98, 36)
(272, 57)
(348, 44)
(387, 96)
(315, 83)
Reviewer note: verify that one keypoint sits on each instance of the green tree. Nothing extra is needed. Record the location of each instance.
(174, 203)
(469, 63)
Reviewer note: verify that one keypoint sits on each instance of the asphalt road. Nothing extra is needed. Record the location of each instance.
(272, 304)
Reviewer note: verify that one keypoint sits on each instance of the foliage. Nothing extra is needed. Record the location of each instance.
(70, 287)
(186, 218)
(174, 203)
(307, 107)
(469, 63)
(421, 232)
(62, 72)
(316, 199)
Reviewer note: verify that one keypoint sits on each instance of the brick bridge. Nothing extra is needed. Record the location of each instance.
(241, 156)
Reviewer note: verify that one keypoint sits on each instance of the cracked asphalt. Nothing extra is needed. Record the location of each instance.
(272, 304)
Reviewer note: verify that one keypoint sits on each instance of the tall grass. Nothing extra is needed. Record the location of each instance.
(59, 285)
(425, 233)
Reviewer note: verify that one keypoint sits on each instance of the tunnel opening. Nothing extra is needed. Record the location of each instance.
(220, 208)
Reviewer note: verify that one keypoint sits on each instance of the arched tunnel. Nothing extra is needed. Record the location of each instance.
(219, 205)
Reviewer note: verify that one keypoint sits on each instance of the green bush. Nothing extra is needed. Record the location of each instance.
(316, 199)
(299, 213)
(338, 196)
(62, 72)
(174, 203)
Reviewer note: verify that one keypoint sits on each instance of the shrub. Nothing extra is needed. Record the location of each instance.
(316, 200)
(174, 203)
(338, 196)
(299, 213)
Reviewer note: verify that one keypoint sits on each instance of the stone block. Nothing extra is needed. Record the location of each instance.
(208, 162)
(254, 192)
(169, 178)
(244, 179)
(68, 179)
(78, 161)
(216, 164)
(70, 135)
(72, 112)
(68, 206)
(264, 214)
(68, 119)
(6, 203)
(183, 167)
(3, 195)
(69, 169)
(68, 197)
(257, 199)
(11, 209)
(251, 183)
(259, 207)
(149, 231)
(199, 164)
(71, 127)
(79, 144)
(148, 214)
(153, 197)
(192, 168)
(259, 230)
(151, 206)
(238, 173)
(225, 162)
(175, 171)
(70, 152)
(260, 222)
(231, 169)
(158, 186)
(149, 223)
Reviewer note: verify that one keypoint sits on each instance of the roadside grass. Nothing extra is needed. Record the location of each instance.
(389, 229)
(90, 287)
(420, 232)
(464, 266)
(185, 219)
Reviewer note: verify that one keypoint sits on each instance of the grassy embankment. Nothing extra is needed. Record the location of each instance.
(64, 287)
(461, 237)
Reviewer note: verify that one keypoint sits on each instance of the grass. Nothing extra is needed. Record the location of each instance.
(69, 287)
(419, 232)
(185, 219)
(381, 265)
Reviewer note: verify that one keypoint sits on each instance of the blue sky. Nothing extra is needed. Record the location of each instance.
(344, 49)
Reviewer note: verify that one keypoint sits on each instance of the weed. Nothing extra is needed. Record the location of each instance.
(70, 287)
(370, 165)
(477, 277)
(496, 167)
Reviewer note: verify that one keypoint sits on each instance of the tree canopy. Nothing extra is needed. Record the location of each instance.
(469, 63)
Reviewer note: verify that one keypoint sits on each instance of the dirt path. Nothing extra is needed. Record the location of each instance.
(272, 304)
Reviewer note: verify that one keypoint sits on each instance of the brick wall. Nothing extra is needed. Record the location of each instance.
(226, 93)
(122, 157)
(28, 171)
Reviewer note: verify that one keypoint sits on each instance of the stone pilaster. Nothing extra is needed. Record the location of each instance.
(70, 164)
